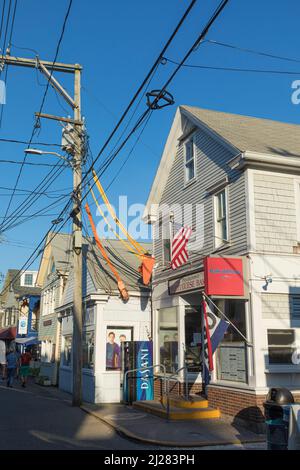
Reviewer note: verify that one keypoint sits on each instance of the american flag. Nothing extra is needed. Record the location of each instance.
(179, 247)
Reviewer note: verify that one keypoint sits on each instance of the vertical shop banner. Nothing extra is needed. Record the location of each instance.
(23, 325)
(144, 360)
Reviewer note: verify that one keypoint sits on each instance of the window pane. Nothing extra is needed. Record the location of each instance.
(168, 338)
(88, 350)
(67, 351)
(166, 242)
(281, 337)
(28, 279)
(193, 338)
(190, 170)
(189, 151)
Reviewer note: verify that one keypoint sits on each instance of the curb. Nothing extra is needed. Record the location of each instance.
(123, 432)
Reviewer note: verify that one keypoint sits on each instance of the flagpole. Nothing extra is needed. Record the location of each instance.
(202, 347)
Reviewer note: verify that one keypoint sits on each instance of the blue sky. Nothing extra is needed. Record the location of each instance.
(117, 42)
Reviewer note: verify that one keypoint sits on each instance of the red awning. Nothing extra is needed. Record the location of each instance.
(8, 333)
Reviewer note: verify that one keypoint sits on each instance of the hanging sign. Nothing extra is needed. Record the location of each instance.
(23, 325)
(225, 276)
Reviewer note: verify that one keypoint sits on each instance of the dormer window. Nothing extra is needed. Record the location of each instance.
(189, 157)
(28, 279)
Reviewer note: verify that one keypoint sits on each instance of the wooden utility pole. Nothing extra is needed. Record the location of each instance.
(77, 246)
(47, 68)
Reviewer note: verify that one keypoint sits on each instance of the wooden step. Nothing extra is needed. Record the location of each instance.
(192, 402)
(157, 409)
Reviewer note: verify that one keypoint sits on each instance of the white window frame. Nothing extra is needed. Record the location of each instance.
(163, 223)
(218, 242)
(297, 204)
(189, 142)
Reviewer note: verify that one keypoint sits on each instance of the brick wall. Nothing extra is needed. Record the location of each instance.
(176, 388)
(241, 407)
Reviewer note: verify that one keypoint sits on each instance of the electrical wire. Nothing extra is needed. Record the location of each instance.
(252, 51)
(234, 69)
(36, 252)
(15, 162)
(42, 103)
(25, 142)
(9, 42)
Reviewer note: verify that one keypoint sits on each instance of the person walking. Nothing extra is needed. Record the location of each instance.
(2, 359)
(11, 365)
(24, 369)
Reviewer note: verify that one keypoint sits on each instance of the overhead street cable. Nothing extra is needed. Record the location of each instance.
(25, 142)
(36, 252)
(9, 43)
(198, 41)
(234, 69)
(252, 51)
(42, 105)
(15, 162)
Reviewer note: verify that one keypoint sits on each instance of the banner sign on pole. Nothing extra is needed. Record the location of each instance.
(144, 360)
(23, 325)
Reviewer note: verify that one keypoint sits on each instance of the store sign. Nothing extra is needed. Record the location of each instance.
(144, 361)
(23, 325)
(224, 276)
(187, 283)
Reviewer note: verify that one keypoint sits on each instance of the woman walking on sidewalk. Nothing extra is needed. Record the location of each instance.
(24, 370)
(11, 365)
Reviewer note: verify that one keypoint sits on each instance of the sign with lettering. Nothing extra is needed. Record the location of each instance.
(224, 276)
(187, 283)
(144, 361)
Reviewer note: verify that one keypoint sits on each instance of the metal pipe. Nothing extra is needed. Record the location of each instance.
(142, 368)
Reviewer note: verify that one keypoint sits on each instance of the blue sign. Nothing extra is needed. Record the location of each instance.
(144, 360)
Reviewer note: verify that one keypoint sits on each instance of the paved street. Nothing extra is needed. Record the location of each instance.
(35, 418)
(43, 418)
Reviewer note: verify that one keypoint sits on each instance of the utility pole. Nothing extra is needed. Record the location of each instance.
(47, 68)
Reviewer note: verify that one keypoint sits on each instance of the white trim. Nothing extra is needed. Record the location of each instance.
(250, 210)
(189, 141)
(218, 244)
(297, 205)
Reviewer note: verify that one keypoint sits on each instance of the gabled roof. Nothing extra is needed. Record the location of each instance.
(58, 249)
(248, 133)
(14, 275)
(238, 133)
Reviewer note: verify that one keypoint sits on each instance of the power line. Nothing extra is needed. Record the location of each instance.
(42, 104)
(199, 39)
(252, 51)
(35, 253)
(26, 142)
(56, 171)
(9, 42)
(15, 162)
(234, 69)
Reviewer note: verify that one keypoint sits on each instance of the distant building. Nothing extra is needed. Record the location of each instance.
(17, 286)
(55, 264)
(107, 320)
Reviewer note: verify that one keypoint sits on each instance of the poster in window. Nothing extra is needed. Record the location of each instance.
(114, 337)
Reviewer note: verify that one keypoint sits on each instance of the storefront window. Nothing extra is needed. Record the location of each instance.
(88, 350)
(192, 322)
(168, 338)
(67, 351)
(231, 357)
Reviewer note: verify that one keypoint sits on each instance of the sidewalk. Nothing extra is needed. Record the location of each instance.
(146, 428)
